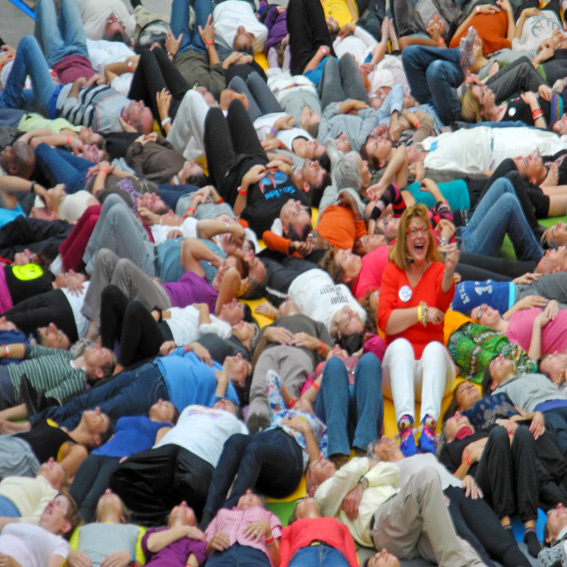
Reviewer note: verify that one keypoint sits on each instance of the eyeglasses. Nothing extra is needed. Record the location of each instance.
(415, 231)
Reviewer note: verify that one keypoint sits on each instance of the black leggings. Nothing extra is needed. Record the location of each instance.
(151, 482)
(131, 324)
(40, 310)
(507, 474)
(476, 522)
(232, 147)
(156, 72)
(308, 32)
(500, 268)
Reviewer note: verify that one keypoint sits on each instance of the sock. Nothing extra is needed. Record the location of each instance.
(407, 442)
(286, 59)
(467, 57)
(530, 538)
(428, 437)
(273, 57)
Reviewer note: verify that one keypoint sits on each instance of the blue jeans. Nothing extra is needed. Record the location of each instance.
(322, 555)
(239, 556)
(180, 23)
(60, 38)
(30, 61)
(270, 461)
(433, 74)
(351, 412)
(60, 166)
(132, 392)
(499, 212)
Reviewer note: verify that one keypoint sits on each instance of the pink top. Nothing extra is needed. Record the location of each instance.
(233, 522)
(553, 335)
(370, 276)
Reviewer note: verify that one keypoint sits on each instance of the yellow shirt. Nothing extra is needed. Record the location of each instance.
(338, 9)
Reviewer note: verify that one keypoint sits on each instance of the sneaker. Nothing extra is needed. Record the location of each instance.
(428, 440)
(407, 443)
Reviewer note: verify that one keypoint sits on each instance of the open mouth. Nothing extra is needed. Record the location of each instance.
(418, 247)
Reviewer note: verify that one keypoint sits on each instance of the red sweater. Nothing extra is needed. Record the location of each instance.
(428, 289)
(328, 530)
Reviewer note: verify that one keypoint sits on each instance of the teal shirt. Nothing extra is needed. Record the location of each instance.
(456, 192)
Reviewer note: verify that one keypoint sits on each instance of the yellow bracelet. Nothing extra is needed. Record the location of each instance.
(419, 313)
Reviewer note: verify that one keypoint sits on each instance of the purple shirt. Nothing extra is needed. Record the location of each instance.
(190, 289)
(176, 553)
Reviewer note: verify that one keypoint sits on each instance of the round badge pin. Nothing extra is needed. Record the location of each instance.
(405, 293)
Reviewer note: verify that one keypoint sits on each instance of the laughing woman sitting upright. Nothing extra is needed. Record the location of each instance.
(416, 291)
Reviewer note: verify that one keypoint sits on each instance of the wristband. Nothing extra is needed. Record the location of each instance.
(129, 66)
(169, 54)
(440, 41)
(32, 188)
(270, 540)
(537, 113)
(67, 140)
(220, 200)
(231, 94)
(315, 385)
(468, 460)
(101, 170)
(419, 313)
(274, 131)
(416, 125)
(133, 558)
(190, 210)
(290, 404)
(6, 350)
(210, 42)
(477, 8)
(322, 348)
(186, 349)
(241, 191)
(280, 145)
(165, 120)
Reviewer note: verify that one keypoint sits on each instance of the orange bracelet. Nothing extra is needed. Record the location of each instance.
(315, 385)
(210, 42)
(67, 140)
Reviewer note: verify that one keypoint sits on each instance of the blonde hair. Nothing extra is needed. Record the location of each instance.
(470, 107)
(398, 253)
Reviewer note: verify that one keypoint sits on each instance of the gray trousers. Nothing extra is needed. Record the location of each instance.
(550, 286)
(292, 366)
(119, 230)
(416, 523)
(133, 282)
(341, 81)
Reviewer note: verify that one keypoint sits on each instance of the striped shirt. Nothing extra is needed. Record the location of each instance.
(50, 370)
(97, 107)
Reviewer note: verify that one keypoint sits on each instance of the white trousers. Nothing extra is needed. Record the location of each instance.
(427, 380)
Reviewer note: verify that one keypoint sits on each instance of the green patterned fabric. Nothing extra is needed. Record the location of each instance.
(473, 346)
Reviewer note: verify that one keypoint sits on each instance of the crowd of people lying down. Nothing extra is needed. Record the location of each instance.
(230, 232)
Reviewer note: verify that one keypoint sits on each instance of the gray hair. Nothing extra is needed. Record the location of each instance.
(346, 172)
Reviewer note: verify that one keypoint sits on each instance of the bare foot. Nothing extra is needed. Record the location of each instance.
(392, 35)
